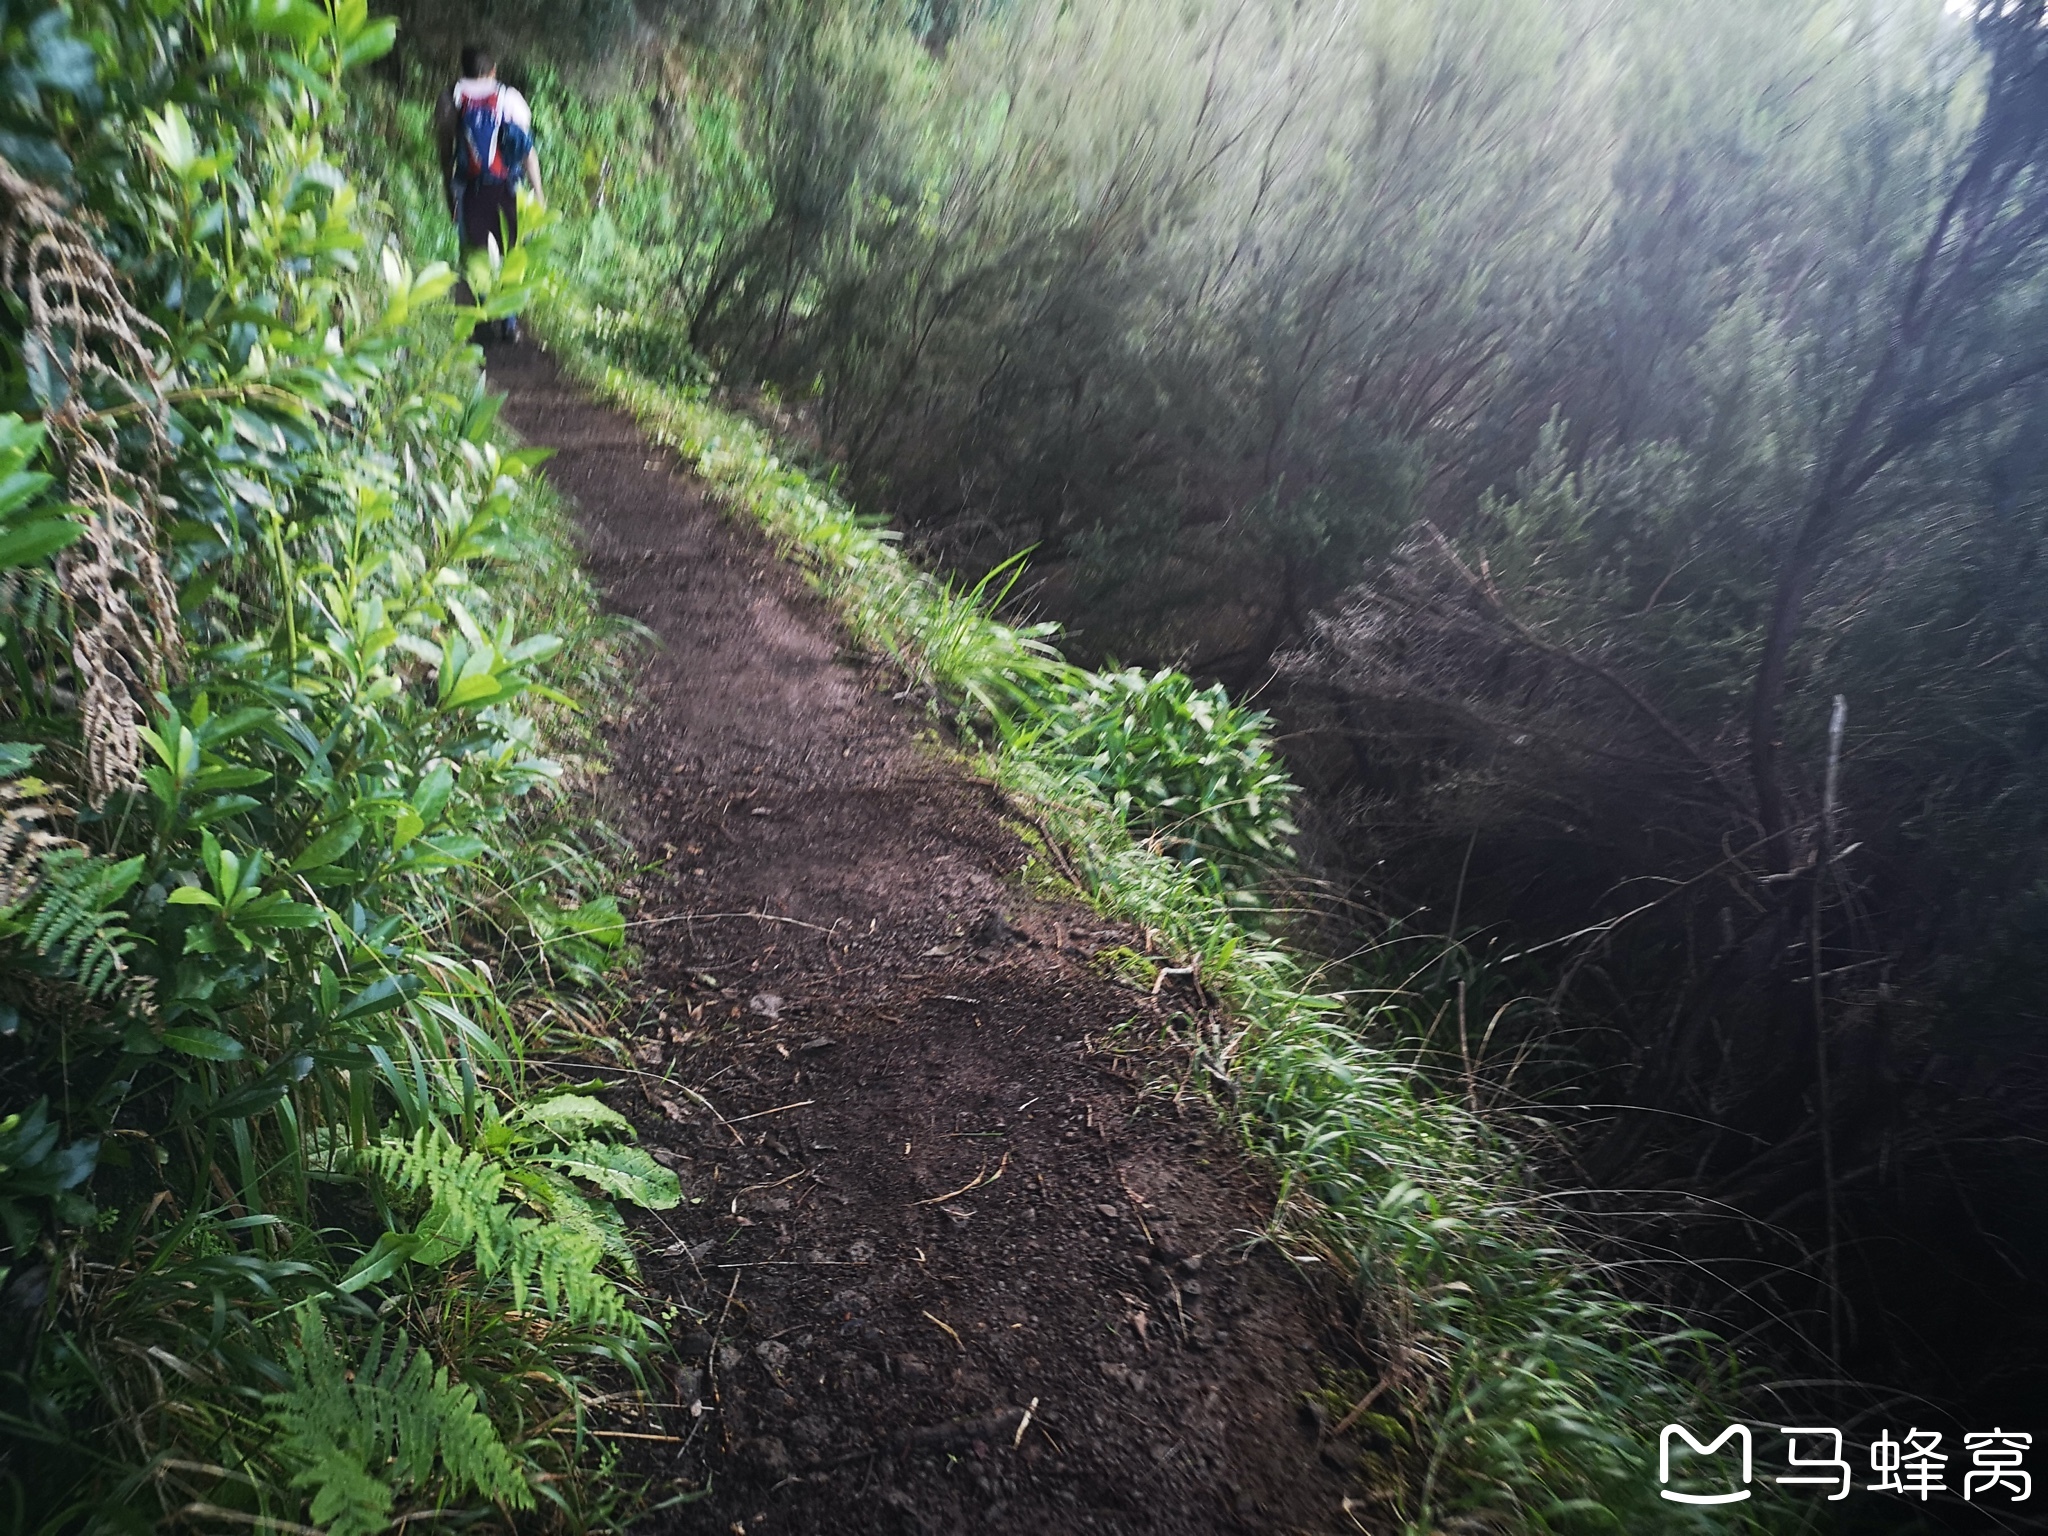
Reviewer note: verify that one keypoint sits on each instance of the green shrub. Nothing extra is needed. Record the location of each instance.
(1175, 760)
(290, 876)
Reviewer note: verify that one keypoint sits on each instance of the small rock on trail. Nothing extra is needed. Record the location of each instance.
(920, 1195)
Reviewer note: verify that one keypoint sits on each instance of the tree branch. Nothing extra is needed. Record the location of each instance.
(1620, 685)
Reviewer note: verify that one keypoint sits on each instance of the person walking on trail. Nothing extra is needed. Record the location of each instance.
(485, 129)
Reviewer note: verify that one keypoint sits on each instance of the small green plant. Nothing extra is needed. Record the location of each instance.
(553, 1263)
(1176, 760)
(358, 1431)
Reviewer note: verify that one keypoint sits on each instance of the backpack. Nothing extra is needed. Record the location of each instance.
(493, 149)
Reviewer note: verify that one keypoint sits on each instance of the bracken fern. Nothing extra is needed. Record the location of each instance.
(72, 920)
(550, 1263)
(358, 1433)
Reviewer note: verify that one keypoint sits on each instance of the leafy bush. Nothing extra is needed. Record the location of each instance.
(1181, 762)
(289, 863)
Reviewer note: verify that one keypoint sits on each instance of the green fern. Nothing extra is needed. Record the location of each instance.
(32, 605)
(559, 1200)
(358, 1437)
(71, 920)
(549, 1144)
(552, 1262)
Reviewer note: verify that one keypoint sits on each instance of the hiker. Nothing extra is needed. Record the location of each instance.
(485, 130)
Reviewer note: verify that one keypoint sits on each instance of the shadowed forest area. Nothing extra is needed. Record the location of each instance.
(1501, 546)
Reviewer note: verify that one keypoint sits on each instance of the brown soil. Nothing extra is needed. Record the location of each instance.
(924, 1189)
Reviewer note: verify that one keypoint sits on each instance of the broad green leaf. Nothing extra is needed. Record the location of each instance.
(255, 1099)
(433, 283)
(19, 487)
(625, 1173)
(406, 827)
(298, 20)
(206, 1044)
(373, 43)
(171, 136)
(475, 688)
(27, 542)
(431, 797)
(573, 1115)
(19, 440)
(446, 849)
(384, 993)
(390, 1254)
(278, 910)
(220, 807)
(536, 648)
(330, 845)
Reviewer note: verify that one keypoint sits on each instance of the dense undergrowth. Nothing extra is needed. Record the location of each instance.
(295, 886)
(296, 892)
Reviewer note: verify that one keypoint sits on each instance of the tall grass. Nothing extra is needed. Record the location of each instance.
(1518, 1388)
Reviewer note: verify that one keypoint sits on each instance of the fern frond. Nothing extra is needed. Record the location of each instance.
(358, 1438)
(71, 919)
(558, 1199)
(32, 604)
(551, 1263)
(462, 1188)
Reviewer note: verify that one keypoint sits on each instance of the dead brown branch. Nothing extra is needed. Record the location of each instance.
(85, 339)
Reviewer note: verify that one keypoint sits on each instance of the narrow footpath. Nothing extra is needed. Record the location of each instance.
(926, 1190)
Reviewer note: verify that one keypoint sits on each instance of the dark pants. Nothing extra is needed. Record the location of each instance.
(487, 212)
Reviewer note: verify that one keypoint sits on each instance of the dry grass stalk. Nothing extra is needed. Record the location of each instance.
(23, 841)
(85, 338)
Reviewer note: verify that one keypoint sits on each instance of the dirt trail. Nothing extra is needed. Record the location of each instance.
(929, 1195)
